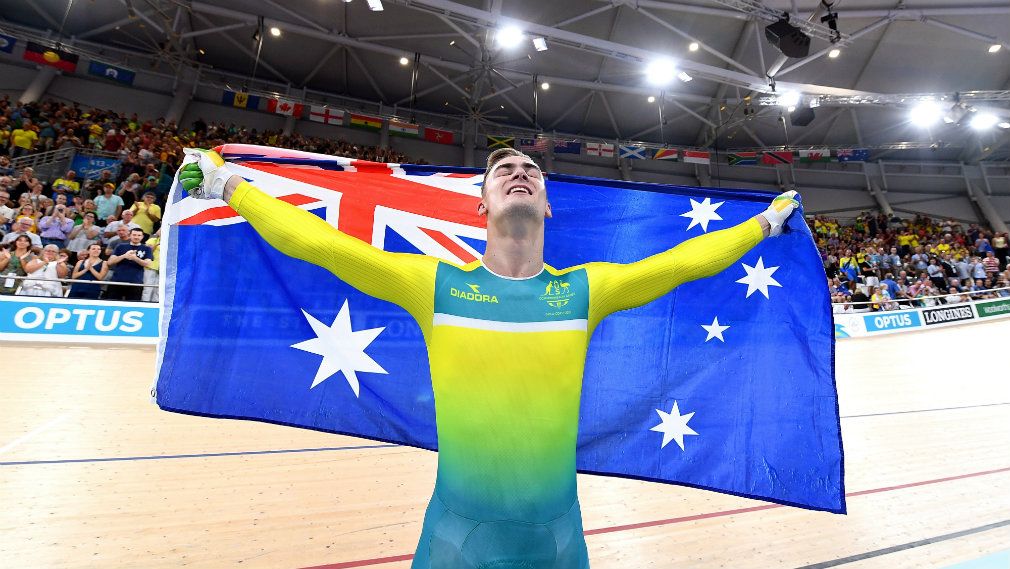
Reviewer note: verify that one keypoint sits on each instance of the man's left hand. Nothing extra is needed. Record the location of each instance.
(779, 211)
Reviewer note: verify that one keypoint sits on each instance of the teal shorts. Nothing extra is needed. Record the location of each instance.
(450, 541)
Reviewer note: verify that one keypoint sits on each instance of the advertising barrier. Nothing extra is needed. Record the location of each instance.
(859, 325)
(26, 318)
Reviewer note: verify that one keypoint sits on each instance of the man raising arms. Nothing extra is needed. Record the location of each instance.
(506, 364)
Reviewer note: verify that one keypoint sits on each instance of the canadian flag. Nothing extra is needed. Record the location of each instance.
(284, 107)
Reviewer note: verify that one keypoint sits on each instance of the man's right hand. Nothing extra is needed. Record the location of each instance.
(204, 174)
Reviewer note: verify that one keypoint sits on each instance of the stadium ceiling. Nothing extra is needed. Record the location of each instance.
(892, 54)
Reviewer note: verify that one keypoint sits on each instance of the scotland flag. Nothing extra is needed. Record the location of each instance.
(726, 383)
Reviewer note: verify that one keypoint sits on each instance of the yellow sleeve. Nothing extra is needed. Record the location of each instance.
(401, 278)
(614, 287)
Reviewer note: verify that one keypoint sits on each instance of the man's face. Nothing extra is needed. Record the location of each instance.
(123, 233)
(5, 198)
(127, 215)
(515, 186)
(24, 225)
(136, 237)
(71, 175)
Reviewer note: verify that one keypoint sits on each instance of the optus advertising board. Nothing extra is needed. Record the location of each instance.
(25, 318)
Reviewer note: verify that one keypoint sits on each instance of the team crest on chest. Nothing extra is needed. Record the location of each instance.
(557, 293)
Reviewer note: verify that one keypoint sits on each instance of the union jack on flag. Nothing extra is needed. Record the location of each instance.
(435, 213)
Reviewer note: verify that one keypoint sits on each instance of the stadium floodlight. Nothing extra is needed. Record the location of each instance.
(275, 32)
(994, 48)
(540, 44)
(983, 121)
(509, 37)
(684, 77)
(834, 53)
(1004, 124)
(693, 46)
(788, 99)
(660, 72)
(375, 5)
(926, 113)
(651, 99)
(404, 61)
(955, 114)
(545, 85)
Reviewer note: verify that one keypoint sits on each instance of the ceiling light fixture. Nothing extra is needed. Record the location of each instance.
(651, 99)
(684, 77)
(660, 72)
(509, 37)
(545, 85)
(275, 32)
(834, 53)
(983, 121)
(926, 113)
(404, 61)
(994, 48)
(694, 46)
(1004, 124)
(540, 44)
(789, 99)
(375, 5)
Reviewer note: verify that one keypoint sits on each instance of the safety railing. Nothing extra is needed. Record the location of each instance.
(5, 278)
(909, 302)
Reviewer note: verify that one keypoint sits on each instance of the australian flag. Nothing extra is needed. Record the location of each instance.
(244, 326)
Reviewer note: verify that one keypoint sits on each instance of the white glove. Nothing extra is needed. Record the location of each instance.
(209, 181)
(780, 210)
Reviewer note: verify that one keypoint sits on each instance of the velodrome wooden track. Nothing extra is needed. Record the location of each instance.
(93, 475)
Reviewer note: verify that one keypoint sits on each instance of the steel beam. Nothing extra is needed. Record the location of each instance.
(322, 63)
(368, 74)
(583, 16)
(730, 60)
(296, 15)
(965, 32)
(245, 50)
(215, 30)
(610, 114)
(45, 15)
(569, 110)
(870, 28)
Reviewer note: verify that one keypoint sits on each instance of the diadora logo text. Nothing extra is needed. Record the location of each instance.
(557, 293)
(473, 295)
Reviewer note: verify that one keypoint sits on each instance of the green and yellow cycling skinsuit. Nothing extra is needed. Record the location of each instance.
(506, 358)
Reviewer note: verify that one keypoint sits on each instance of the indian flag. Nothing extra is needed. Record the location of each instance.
(365, 121)
(397, 128)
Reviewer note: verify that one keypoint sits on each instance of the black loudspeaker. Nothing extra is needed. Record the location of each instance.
(801, 116)
(788, 39)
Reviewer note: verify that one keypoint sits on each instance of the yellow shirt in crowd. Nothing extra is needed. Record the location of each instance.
(23, 138)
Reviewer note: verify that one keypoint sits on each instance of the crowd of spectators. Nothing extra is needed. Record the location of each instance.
(106, 228)
(887, 263)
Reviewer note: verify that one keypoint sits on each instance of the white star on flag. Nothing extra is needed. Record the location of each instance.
(703, 212)
(342, 348)
(674, 426)
(715, 330)
(758, 278)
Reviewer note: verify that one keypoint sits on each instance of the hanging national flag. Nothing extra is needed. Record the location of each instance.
(604, 149)
(112, 72)
(366, 121)
(852, 155)
(406, 129)
(538, 144)
(672, 154)
(62, 60)
(326, 115)
(7, 43)
(438, 135)
(567, 147)
(285, 107)
(697, 156)
(742, 158)
(634, 152)
(761, 326)
(777, 157)
(494, 142)
(240, 100)
(814, 155)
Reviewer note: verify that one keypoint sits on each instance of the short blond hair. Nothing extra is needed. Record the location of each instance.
(499, 154)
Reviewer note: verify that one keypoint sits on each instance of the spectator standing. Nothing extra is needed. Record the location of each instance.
(90, 267)
(1001, 247)
(23, 139)
(68, 184)
(129, 190)
(108, 204)
(22, 226)
(55, 228)
(129, 260)
(44, 273)
(990, 264)
(84, 235)
(151, 271)
(13, 258)
(6, 211)
(146, 213)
